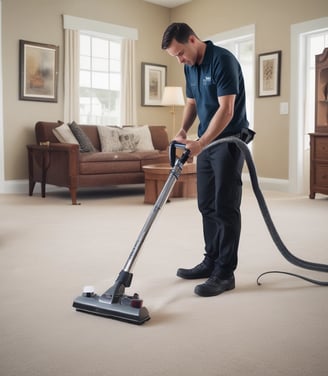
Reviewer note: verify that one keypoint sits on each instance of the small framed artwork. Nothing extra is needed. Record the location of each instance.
(38, 71)
(269, 74)
(153, 81)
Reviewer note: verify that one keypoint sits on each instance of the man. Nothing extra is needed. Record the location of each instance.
(216, 94)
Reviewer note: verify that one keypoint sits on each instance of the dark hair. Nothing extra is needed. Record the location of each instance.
(179, 31)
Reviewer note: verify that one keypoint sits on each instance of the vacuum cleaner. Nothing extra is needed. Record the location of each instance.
(115, 304)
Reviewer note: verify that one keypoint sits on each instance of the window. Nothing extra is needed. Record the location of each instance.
(241, 44)
(100, 80)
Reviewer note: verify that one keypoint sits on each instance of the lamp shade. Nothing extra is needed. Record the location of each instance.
(173, 96)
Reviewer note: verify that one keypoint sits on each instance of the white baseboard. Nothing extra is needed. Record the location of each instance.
(280, 185)
(14, 186)
(21, 186)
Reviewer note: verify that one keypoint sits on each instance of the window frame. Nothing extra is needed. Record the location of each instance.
(236, 37)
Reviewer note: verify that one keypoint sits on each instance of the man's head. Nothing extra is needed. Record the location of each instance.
(180, 40)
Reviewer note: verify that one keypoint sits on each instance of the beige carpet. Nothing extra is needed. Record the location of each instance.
(50, 249)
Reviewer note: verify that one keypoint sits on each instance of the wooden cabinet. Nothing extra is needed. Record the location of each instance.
(319, 164)
(319, 139)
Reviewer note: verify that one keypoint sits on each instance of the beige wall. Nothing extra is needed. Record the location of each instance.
(41, 21)
(272, 20)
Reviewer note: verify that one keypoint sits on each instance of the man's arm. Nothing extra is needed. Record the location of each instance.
(189, 115)
(218, 123)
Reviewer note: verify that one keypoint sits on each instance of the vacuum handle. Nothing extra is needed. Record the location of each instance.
(174, 145)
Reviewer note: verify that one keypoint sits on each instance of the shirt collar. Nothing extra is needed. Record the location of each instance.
(208, 52)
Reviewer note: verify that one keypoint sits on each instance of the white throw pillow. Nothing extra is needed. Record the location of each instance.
(64, 134)
(142, 137)
(109, 139)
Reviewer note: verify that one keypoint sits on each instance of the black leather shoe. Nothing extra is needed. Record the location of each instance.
(215, 286)
(199, 271)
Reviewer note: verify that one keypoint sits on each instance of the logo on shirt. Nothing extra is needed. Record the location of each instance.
(207, 80)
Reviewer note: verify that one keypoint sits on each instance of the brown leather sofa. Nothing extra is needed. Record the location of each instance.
(63, 165)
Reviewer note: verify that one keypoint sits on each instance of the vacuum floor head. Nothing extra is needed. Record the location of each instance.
(123, 308)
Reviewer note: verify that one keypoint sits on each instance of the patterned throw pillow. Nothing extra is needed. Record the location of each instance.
(128, 142)
(84, 141)
(109, 139)
(127, 139)
(142, 137)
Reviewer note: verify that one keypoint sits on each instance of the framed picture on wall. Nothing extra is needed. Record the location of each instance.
(38, 71)
(153, 81)
(269, 74)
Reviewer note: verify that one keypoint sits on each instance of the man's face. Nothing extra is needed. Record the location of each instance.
(186, 53)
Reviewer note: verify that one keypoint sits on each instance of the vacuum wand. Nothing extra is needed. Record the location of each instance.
(113, 303)
(176, 164)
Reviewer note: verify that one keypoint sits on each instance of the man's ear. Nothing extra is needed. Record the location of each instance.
(192, 39)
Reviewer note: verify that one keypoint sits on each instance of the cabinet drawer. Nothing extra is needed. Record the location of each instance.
(321, 148)
(321, 175)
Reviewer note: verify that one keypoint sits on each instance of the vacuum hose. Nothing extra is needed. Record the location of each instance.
(267, 218)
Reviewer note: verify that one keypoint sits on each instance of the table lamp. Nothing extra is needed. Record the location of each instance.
(173, 96)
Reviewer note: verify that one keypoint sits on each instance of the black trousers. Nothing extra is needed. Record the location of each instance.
(219, 188)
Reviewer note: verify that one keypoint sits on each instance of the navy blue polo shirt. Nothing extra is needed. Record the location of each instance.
(218, 75)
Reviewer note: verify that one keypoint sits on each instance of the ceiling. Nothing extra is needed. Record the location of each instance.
(168, 3)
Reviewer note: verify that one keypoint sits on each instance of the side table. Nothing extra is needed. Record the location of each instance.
(156, 176)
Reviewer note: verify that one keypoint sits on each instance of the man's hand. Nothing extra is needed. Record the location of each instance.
(195, 147)
(181, 136)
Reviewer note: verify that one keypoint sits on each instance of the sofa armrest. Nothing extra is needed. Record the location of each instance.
(64, 164)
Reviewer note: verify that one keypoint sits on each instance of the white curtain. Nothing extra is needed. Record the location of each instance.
(128, 85)
(71, 76)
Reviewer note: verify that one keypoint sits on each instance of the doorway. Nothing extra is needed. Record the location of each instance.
(307, 39)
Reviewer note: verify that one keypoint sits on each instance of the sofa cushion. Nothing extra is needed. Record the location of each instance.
(110, 157)
(100, 163)
(64, 134)
(84, 141)
(119, 167)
